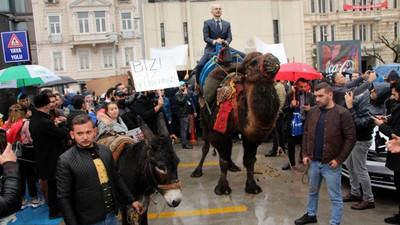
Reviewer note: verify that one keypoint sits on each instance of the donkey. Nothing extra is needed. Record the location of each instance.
(148, 166)
(254, 112)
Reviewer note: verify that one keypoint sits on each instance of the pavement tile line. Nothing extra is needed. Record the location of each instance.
(195, 164)
(241, 208)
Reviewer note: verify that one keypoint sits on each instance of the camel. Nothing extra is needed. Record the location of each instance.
(254, 107)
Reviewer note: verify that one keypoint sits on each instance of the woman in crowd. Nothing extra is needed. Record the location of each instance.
(17, 129)
(110, 121)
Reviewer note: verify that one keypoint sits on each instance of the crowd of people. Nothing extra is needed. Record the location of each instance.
(45, 129)
(339, 131)
(337, 119)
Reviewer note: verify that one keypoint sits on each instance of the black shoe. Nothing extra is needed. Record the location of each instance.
(271, 153)
(286, 167)
(306, 219)
(393, 220)
(186, 146)
(55, 215)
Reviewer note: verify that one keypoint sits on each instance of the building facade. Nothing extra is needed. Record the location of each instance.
(86, 39)
(328, 20)
(298, 24)
(168, 23)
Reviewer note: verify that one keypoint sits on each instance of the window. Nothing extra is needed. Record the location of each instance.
(129, 55)
(354, 31)
(126, 20)
(332, 32)
(5, 6)
(330, 5)
(314, 34)
(322, 6)
(54, 24)
(276, 31)
(100, 21)
(312, 6)
(162, 34)
(20, 6)
(108, 59)
(22, 26)
(396, 30)
(362, 32)
(58, 62)
(83, 20)
(364, 3)
(371, 32)
(324, 33)
(84, 59)
(395, 4)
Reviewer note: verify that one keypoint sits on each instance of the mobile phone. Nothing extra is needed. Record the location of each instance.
(3, 140)
(372, 115)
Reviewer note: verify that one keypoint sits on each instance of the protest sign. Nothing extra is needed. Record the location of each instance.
(154, 74)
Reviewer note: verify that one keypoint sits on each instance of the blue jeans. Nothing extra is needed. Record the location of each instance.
(332, 177)
(111, 219)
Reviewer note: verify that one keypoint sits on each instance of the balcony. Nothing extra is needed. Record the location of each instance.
(88, 38)
(127, 34)
(55, 38)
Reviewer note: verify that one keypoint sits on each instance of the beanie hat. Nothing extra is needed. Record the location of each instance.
(22, 96)
(393, 75)
(41, 100)
(86, 93)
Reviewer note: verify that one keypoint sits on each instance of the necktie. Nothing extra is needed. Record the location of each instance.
(219, 25)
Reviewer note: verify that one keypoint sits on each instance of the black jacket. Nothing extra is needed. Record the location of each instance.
(144, 107)
(78, 186)
(392, 127)
(11, 191)
(184, 104)
(48, 142)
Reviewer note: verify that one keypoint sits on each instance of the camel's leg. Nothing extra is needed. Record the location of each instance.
(198, 172)
(223, 144)
(249, 159)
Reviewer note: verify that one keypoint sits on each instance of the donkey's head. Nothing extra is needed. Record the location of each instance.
(162, 162)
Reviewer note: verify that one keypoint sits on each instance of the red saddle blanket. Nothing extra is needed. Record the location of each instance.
(224, 110)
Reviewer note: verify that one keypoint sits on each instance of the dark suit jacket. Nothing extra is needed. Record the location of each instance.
(211, 33)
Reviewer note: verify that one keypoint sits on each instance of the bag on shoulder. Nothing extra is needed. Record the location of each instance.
(379, 143)
(17, 148)
(296, 125)
(24, 152)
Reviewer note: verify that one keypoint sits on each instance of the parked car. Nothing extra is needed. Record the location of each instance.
(380, 175)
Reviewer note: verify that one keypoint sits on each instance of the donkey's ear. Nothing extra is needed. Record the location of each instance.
(147, 133)
(162, 126)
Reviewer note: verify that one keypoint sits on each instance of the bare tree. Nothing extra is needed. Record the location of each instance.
(394, 47)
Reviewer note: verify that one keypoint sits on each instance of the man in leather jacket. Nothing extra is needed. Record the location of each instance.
(88, 179)
(11, 191)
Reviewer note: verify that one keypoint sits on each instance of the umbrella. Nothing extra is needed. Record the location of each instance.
(26, 75)
(294, 71)
(62, 81)
(384, 70)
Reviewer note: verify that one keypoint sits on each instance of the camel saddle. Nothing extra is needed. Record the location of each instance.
(116, 143)
(227, 98)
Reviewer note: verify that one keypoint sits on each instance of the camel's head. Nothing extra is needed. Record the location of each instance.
(259, 66)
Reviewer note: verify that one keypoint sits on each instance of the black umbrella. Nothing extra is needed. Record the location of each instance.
(64, 80)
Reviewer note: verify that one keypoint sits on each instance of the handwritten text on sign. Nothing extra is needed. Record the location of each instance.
(154, 74)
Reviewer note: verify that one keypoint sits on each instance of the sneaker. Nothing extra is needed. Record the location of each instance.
(38, 202)
(25, 204)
